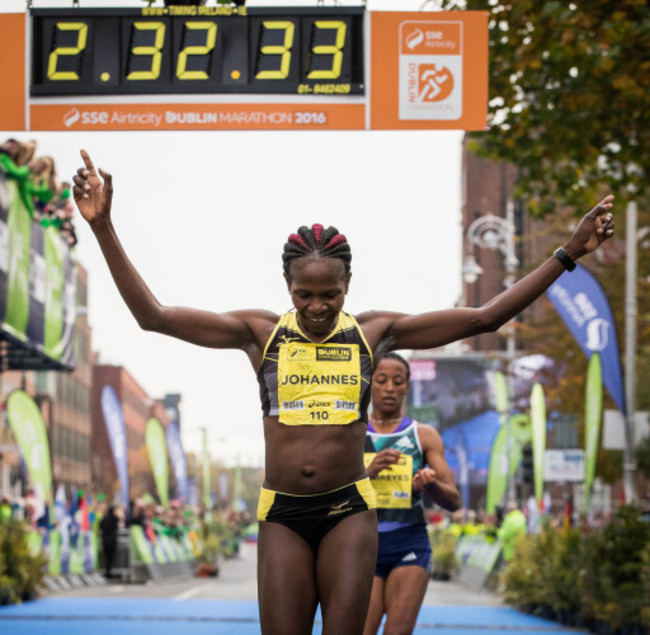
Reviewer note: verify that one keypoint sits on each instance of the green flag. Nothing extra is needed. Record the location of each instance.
(538, 422)
(28, 428)
(497, 471)
(503, 465)
(593, 415)
(19, 224)
(157, 448)
(53, 327)
(500, 393)
(207, 495)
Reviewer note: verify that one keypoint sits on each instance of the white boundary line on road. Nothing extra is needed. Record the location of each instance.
(190, 593)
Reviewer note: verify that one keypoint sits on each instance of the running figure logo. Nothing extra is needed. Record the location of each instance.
(435, 82)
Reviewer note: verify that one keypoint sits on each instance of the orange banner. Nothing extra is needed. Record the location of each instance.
(429, 70)
(12, 71)
(263, 116)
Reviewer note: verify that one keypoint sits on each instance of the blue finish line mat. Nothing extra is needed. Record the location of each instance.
(105, 616)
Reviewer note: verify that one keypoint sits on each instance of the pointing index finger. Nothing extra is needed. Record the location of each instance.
(605, 204)
(88, 162)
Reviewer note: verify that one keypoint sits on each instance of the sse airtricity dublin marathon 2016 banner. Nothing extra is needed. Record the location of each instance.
(582, 304)
(37, 288)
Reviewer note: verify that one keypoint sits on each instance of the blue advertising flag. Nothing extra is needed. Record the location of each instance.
(114, 418)
(177, 458)
(582, 304)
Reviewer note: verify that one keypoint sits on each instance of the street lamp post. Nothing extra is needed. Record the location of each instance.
(629, 460)
(498, 234)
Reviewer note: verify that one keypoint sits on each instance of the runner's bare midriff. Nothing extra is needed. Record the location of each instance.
(312, 459)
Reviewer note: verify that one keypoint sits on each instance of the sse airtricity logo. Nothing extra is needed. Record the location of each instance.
(71, 117)
(414, 39)
(597, 334)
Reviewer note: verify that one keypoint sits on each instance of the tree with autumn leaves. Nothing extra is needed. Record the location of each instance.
(569, 105)
(568, 98)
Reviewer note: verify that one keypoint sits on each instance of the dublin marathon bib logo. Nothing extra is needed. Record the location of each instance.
(333, 354)
(318, 383)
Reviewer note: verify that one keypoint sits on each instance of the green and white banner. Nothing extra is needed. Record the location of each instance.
(538, 423)
(37, 288)
(503, 464)
(53, 248)
(593, 417)
(18, 239)
(157, 449)
(28, 428)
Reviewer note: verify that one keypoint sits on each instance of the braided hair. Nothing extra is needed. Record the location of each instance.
(317, 241)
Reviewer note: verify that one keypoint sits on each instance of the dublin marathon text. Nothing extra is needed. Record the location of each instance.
(300, 118)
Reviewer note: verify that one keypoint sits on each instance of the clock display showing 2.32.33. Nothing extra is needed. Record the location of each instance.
(189, 49)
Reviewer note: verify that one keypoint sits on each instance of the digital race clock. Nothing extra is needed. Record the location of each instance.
(190, 49)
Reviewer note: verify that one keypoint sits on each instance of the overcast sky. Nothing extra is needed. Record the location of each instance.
(204, 217)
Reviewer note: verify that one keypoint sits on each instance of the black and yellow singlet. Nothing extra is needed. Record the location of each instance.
(316, 383)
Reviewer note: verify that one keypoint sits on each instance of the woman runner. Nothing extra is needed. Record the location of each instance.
(318, 529)
(405, 459)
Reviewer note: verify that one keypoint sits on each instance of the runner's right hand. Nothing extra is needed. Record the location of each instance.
(92, 196)
(383, 461)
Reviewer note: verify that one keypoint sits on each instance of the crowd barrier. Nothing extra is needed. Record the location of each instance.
(478, 556)
(67, 554)
(166, 556)
(76, 560)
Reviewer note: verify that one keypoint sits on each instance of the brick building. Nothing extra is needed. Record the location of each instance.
(137, 407)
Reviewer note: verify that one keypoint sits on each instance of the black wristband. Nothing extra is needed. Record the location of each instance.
(564, 258)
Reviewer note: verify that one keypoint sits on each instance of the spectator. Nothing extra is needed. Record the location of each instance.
(109, 526)
(534, 515)
(5, 510)
(47, 201)
(513, 526)
(43, 187)
(138, 513)
(20, 153)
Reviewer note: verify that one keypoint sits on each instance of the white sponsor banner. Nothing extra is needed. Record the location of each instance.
(564, 465)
